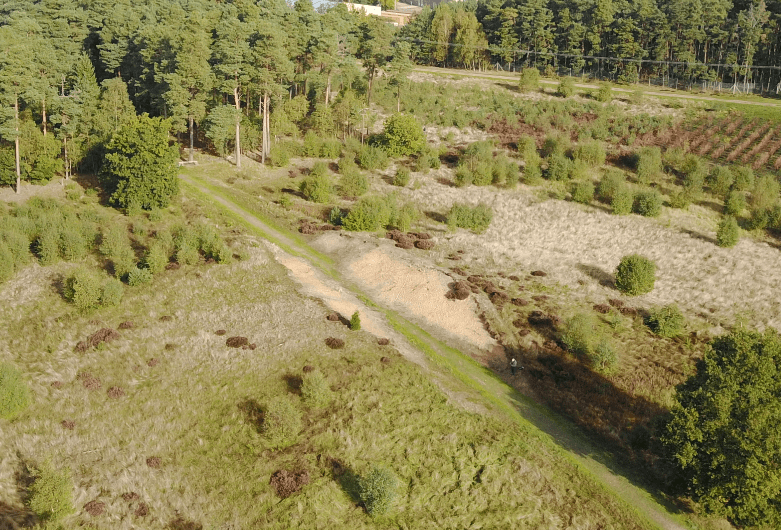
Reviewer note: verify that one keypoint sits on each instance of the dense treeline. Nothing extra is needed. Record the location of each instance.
(72, 74)
(695, 32)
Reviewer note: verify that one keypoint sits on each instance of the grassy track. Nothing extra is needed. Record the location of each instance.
(501, 397)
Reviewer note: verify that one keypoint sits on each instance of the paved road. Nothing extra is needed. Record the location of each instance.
(513, 77)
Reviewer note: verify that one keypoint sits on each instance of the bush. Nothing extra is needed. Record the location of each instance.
(578, 170)
(635, 275)
(315, 390)
(138, 276)
(47, 247)
(279, 155)
(529, 80)
(583, 192)
(7, 263)
(14, 394)
(73, 244)
(694, 171)
(369, 214)
(558, 167)
(156, 257)
(744, 178)
(330, 148)
(378, 490)
(281, 422)
(603, 358)
(476, 218)
(527, 148)
(353, 184)
(554, 144)
(532, 172)
(720, 180)
(728, 233)
(592, 153)
(604, 94)
(403, 135)
(735, 203)
(83, 289)
(51, 497)
(610, 182)
(111, 293)
(371, 158)
(464, 176)
(355, 321)
(347, 164)
(623, 200)
(187, 253)
(404, 217)
(681, 199)
(764, 193)
(648, 164)
(580, 334)
(566, 87)
(666, 321)
(402, 177)
(317, 187)
(312, 144)
(648, 203)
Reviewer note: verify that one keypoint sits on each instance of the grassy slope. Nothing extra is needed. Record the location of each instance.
(195, 411)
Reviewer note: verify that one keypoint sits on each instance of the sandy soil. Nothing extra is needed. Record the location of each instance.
(55, 188)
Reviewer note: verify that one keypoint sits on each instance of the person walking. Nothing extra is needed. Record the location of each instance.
(513, 365)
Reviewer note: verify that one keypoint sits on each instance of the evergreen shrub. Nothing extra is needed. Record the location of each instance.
(635, 275)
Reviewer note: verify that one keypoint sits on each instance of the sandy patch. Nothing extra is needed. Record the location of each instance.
(55, 188)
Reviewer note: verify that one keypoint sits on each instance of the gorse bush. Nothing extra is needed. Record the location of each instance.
(315, 391)
(635, 275)
(720, 180)
(611, 181)
(83, 289)
(14, 394)
(51, 494)
(378, 489)
(281, 422)
(371, 158)
(648, 164)
(566, 87)
(580, 334)
(353, 184)
(403, 135)
(728, 233)
(317, 187)
(667, 321)
(529, 80)
(648, 203)
(622, 201)
(476, 218)
(402, 177)
(592, 153)
(583, 192)
(735, 203)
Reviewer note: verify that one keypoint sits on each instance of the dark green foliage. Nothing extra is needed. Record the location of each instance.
(566, 87)
(720, 180)
(648, 203)
(139, 169)
(555, 144)
(83, 289)
(317, 187)
(648, 164)
(592, 153)
(735, 203)
(138, 276)
(744, 178)
(355, 321)
(374, 213)
(667, 321)
(51, 495)
(583, 192)
(723, 430)
(371, 157)
(281, 422)
(402, 177)
(353, 184)
(694, 171)
(14, 394)
(558, 167)
(475, 218)
(610, 182)
(728, 233)
(315, 390)
(529, 80)
(635, 275)
(623, 200)
(378, 489)
(403, 135)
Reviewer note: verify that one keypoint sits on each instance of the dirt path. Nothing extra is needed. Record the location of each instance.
(514, 78)
(337, 296)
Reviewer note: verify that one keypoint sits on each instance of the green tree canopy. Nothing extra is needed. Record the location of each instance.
(139, 168)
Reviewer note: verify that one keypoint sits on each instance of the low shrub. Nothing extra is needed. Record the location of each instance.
(14, 394)
(603, 358)
(532, 172)
(648, 203)
(463, 177)
(764, 193)
(7, 263)
(566, 87)
(378, 490)
(635, 275)
(353, 184)
(623, 200)
(735, 203)
(667, 321)
(720, 180)
(279, 156)
(73, 244)
(371, 158)
(138, 276)
(51, 494)
(83, 289)
(402, 177)
(317, 187)
(330, 148)
(581, 334)
(156, 257)
(47, 247)
(555, 144)
(604, 94)
(611, 181)
(558, 167)
(529, 79)
(592, 153)
(527, 148)
(583, 192)
(281, 422)
(476, 218)
(402, 218)
(111, 293)
(648, 164)
(315, 391)
(728, 233)
(187, 253)
(312, 144)
(347, 163)
(681, 199)
(743, 178)
(355, 321)
(369, 214)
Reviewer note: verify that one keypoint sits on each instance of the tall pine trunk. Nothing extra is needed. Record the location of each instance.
(16, 146)
(266, 127)
(328, 90)
(238, 125)
(43, 119)
(191, 140)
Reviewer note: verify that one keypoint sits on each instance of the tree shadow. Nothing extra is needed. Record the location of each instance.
(294, 382)
(253, 413)
(446, 182)
(436, 216)
(12, 516)
(295, 193)
(603, 277)
(698, 235)
(347, 479)
(181, 523)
